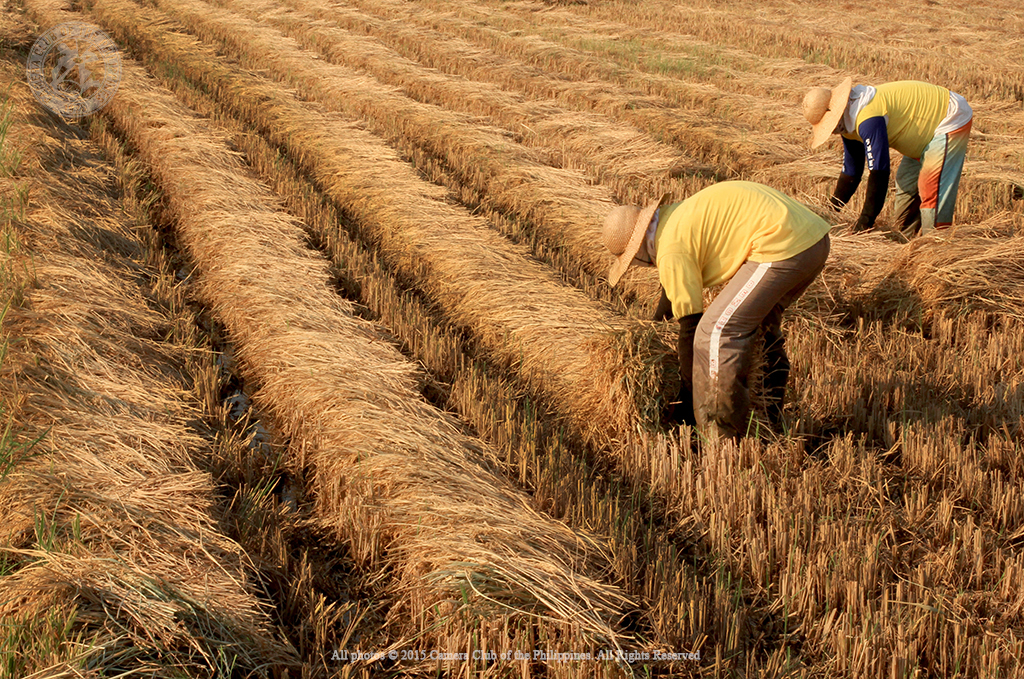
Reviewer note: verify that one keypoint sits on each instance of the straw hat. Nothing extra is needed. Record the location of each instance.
(823, 108)
(623, 232)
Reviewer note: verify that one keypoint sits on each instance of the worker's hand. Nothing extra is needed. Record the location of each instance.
(874, 200)
(863, 223)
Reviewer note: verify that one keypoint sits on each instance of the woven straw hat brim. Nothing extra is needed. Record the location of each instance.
(636, 237)
(836, 107)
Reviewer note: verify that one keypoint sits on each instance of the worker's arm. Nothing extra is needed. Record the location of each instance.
(849, 178)
(682, 409)
(664, 310)
(876, 147)
(683, 284)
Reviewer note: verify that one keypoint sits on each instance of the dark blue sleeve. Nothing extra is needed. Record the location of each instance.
(853, 158)
(876, 142)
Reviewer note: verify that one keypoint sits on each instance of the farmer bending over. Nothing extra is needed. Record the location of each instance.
(766, 245)
(928, 124)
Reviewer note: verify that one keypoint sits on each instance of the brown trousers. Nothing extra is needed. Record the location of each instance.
(754, 298)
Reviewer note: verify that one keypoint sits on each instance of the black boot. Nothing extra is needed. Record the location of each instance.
(776, 375)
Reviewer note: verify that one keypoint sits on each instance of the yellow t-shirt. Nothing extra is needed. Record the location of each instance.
(912, 110)
(705, 239)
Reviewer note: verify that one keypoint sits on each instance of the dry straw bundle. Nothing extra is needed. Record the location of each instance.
(960, 270)
(964, 271)
(393, 476)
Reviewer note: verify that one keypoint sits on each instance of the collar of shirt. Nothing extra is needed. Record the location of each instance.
(860, 96)
(652, 230)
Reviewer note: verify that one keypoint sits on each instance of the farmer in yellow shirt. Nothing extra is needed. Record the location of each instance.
(926, 123)
(768, 247)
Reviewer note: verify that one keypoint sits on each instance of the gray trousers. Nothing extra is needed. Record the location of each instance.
(723, 346)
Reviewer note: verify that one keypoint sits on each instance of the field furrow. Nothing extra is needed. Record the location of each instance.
(722, 511)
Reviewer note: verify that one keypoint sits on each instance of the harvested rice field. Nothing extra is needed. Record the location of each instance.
(310, 367)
